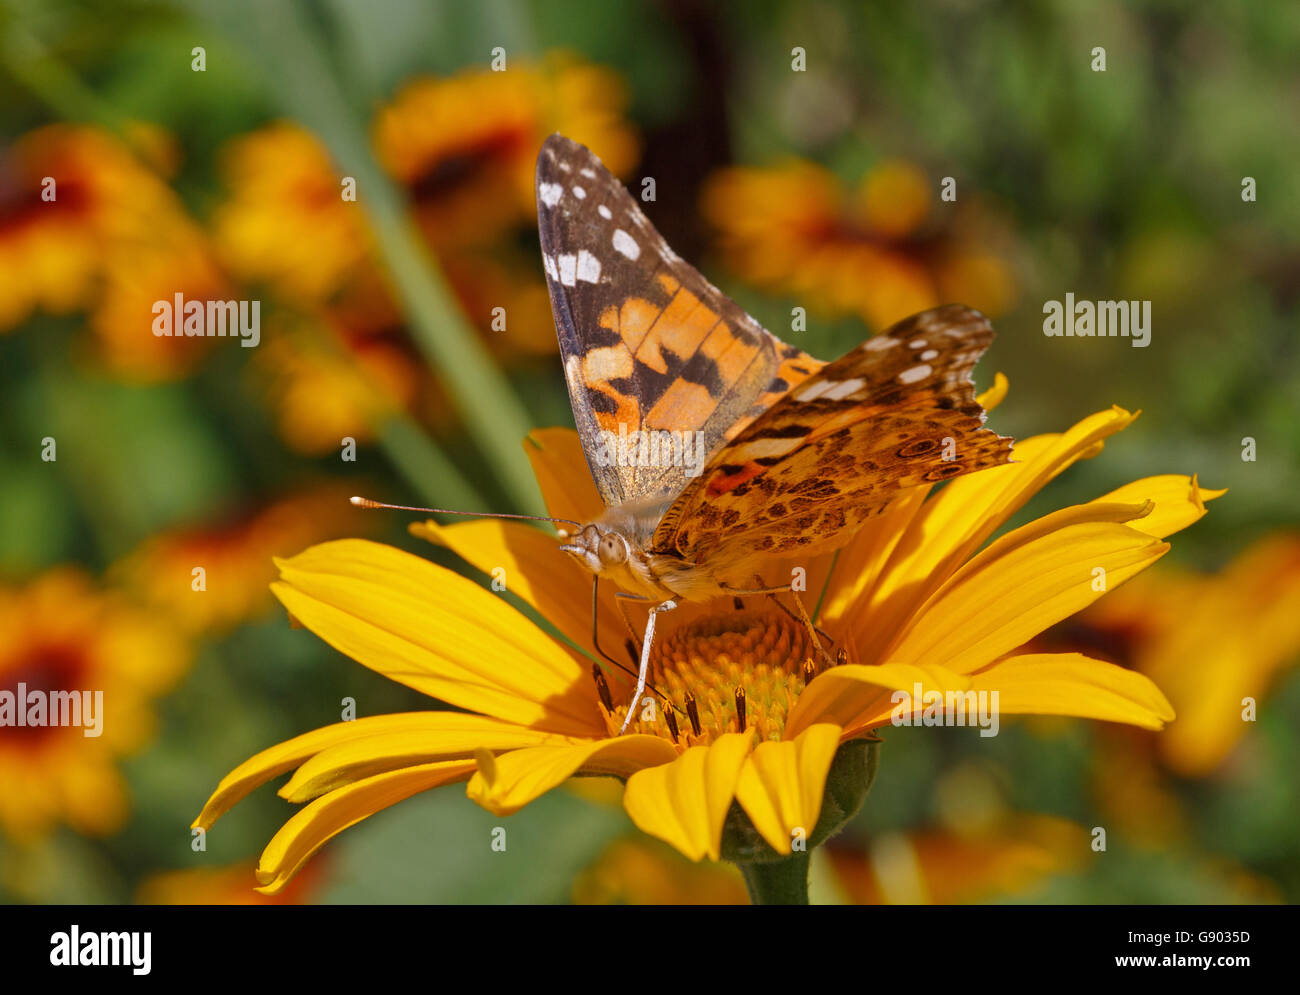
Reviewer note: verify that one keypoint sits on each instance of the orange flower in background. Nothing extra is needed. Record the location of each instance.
(946, 867)
(879, 251)
(85, 224)
(465, 147)
(64, 189)
(286, 222)
(327, 380)
(236, 557)
(64, 635)
(1188, 633)
(227, 886)
(137, 276)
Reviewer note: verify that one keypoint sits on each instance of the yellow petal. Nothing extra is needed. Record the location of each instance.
(435, 631)
(995, 395)
(844, 694)
(326, 817)
(508, 782)
(858, 568)
(535, 570)
(563, 475)
(257, 770)
(1074, 684)
(781, 785)
(1008, 599)
(961, 516)
(456, 736)
(1179, 501)
(684, 803)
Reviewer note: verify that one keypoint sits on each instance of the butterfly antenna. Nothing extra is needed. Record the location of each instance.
(361, 502)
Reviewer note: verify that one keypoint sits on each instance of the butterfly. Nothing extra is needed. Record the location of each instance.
(715, 446)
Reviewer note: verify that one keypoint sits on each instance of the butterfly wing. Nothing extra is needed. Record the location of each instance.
(897, 411)
(648, 344)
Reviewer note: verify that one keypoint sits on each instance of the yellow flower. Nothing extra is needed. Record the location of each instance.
(795, 229)
(286, 222)
(1184, 631)
(235, 556)
(63, 635)
(913, 599)
(466, 147)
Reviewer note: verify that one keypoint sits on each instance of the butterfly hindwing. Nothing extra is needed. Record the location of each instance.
(648, 344)
(897, 411)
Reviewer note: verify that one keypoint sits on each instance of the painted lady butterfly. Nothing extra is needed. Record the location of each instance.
(715, 446)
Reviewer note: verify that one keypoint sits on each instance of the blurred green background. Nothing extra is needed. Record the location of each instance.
(798, 151)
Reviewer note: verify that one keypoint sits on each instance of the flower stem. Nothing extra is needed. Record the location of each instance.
(778, 882)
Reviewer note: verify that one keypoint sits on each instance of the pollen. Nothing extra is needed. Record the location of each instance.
(721, 673)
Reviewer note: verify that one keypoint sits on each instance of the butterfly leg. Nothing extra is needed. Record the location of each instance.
(646, 643)
(621, 599)
(814, 634)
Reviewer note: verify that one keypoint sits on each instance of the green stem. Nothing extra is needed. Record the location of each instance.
(424, 466)
(779, 882)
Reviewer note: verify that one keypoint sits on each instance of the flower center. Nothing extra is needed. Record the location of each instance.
(723, 673)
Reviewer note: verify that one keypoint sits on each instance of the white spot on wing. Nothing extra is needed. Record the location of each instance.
(626, 244)
(814, 390)
(930, 354)
(549, 193)
(549, 263)
(843, 389)
(916, 344)
(589, 173)
(881, 342)
(580, 193)
(568, 269)
(914, 374)
(588, 267)
(604, 212)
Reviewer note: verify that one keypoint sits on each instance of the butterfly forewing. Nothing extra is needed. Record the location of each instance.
(649, 345)
(896, 412)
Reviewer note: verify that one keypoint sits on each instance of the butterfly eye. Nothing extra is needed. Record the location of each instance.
(612, 549)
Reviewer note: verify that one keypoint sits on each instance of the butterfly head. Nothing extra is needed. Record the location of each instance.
(598, 549)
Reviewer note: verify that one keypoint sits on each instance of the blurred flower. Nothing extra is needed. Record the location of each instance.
(226, 886)
(236, 557)
(63, 190)
(913, 587)
(641, 871)
(61, 634)
(1185, 631)
(286, 222)
(114, 239)
(465, 147)
(948, 867)
(878, 251)
(328, 379)
(136, 276)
